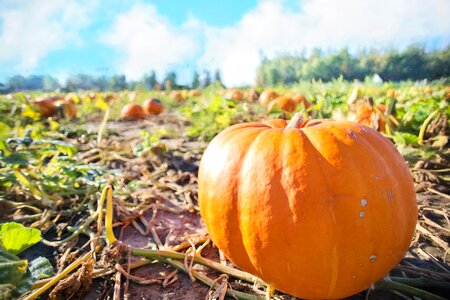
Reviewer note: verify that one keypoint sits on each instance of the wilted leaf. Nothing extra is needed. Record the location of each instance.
(440, 141)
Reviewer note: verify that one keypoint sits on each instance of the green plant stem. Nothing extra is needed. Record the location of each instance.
(422, 282)
(388, 284)
(424, 126)
(75, 233)
(163, 254)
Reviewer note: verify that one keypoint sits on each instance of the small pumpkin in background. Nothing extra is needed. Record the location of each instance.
(110, 98)
(132, 111)
(252, 95)
(92, 96)
(235, 95)
(177, 96)
(428, 90)
(365, 112)
(301, 99)
(372, 117)
(66, 109)
(153, 107)
(194, 93)
(318, 209)
(267, 96)
(391, 93)
(284, 103)
(46, 106)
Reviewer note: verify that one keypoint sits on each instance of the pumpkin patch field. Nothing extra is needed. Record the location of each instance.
(313, 191)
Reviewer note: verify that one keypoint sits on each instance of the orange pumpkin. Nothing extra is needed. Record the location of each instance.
(428, 90)
(301, 99)
(153, 107)
(110, 98)
(194, 93)
(235, 95)
(373, 118)
(252, 95)
(177, 96)
(284, 103)
(132, 111)
(46, 107)
(267, 96)
(66, 109)
(92, 96)
(319, 209)
(391, 93)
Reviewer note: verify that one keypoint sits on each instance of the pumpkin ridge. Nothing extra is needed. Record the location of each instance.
(397, 187)
(363, 138)
(335, 252)
(340, 140)
(234, 133)
(246, 225)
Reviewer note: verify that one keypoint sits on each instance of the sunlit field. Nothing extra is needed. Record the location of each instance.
(59, 151)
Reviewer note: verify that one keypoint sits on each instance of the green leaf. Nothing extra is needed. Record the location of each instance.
(404, 138)
(65, 148)
(15, 238)
(17, 159)
(4, 130)
(14, 275)
(40, 268)
(17, 275)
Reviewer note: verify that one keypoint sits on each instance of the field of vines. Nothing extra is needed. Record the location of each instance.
(99, 204)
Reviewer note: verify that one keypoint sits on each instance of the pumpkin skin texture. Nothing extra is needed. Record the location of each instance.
(321, 211)
(132, 111)
(153, 107)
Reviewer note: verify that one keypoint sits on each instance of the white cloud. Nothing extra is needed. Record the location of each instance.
(272, 28)
(148, 41)
(31, 29)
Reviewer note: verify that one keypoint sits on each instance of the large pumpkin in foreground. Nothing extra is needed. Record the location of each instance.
(319, 209)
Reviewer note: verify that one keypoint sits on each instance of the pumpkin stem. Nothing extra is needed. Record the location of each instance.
(296, 121)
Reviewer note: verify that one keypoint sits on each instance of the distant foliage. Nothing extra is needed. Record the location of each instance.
(412, 64)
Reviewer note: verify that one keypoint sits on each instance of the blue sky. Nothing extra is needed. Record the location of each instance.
(62, 37)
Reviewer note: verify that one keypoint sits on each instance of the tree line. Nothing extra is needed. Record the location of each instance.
(79, 82)
(414, 63)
